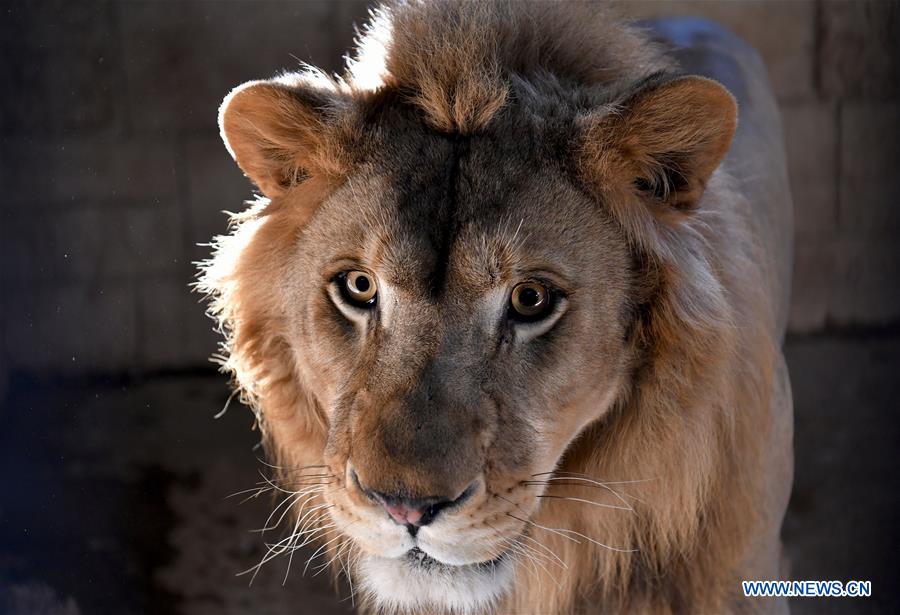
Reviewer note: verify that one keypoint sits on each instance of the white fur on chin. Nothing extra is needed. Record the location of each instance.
(399, 585)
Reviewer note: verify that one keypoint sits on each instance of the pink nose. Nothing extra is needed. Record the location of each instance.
(412, 512)
(403, 514)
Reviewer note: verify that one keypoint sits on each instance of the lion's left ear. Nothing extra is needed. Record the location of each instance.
(663, 142)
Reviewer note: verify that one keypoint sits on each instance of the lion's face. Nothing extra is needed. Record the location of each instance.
(428, 318)
(461, 319)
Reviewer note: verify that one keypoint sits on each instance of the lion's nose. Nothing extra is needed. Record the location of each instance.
(411, 512)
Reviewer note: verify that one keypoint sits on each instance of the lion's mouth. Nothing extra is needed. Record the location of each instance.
(417, 558)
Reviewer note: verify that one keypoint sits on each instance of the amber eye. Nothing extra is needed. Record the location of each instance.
(530, 301)
(359, 288)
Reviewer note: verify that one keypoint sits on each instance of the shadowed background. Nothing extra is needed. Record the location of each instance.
(114, 472)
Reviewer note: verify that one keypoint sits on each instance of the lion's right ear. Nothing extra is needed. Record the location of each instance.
(281, 134)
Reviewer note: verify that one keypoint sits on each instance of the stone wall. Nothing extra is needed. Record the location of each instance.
(112, 170)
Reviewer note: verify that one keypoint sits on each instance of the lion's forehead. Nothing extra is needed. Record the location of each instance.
(466, 213)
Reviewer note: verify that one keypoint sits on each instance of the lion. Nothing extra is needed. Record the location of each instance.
(509, 310)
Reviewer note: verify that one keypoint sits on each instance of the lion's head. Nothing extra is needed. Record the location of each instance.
(473, 255)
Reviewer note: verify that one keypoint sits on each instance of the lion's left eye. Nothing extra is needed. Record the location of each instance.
(530, 301)
(358, 288)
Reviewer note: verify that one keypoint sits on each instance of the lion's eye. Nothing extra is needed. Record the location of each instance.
(530, 301)
(359, 288)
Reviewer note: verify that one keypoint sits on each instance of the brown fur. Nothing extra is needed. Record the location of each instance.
(585, 158)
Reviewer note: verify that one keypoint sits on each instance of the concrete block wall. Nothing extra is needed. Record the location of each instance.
(835, 67)
(112, 171)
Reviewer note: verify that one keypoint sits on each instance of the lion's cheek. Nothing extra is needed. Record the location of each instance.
(558, 431)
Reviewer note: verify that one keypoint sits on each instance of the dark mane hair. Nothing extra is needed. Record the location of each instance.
(457, 60)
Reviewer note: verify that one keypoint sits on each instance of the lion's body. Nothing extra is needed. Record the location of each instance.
(640, 440)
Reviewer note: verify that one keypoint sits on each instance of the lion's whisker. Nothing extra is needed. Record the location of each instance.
(275, 467)
(257, 489)
(533, 552)
(309, 497)
(564, 533)
(300, 483)
(521, 555)
(303, 496)
(546, 548)
(272, 551)
(619, 495)
(352, 562)
(285, 545)
(335, 557)
(259, 492)
(295, 546)
(534, 558)
(289, 501)
(537, 559)
(254, 496)
(591, 502)
(291, 556)
(517, 555)
(309, 520)
(305, 528)
(536, 555)
(308, 476)
(345, 568)
(531, 568)
(319, 551)
(575, 540)
(311, 535)
(596, 483)
(266, 480)
(576, 475)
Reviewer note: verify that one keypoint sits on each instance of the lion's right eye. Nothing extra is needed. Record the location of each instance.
(358, 288)
(530, 301)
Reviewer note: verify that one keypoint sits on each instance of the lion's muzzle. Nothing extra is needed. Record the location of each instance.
(413, 513)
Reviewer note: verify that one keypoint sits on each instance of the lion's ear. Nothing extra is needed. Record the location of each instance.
(663, 142)
(279, 134)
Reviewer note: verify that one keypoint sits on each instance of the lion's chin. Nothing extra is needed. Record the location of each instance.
(416, 582)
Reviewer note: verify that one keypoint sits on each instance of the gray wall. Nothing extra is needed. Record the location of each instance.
(112, 171)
